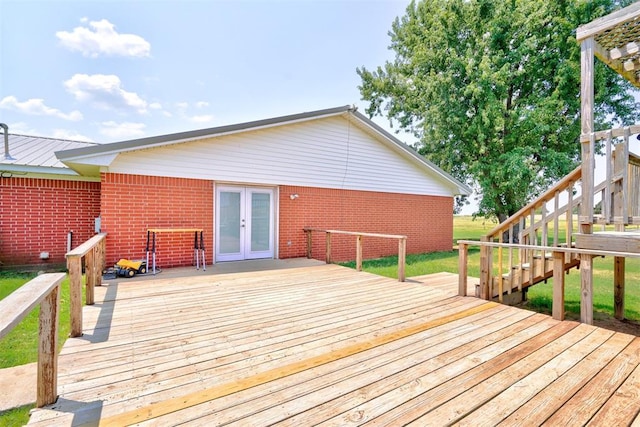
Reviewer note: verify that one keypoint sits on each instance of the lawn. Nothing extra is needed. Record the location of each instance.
(20, 346)
(540, 295)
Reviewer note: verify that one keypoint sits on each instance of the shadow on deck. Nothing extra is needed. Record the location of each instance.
(322, 343)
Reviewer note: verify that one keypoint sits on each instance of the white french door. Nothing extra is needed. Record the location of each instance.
(244, 223)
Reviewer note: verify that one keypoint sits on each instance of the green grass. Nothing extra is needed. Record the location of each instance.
(540, 295)
(20, 346)
(16, 416)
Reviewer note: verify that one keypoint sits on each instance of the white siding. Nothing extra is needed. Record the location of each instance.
(327, 153)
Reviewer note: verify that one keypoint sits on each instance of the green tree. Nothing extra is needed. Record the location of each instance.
(491, 90)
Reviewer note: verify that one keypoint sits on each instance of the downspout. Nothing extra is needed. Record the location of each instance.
(7, 156)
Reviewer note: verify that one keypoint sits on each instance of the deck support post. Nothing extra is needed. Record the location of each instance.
(558, 285)
(47, 388)
(328, 253)
(618, 287)
(586, 289)
(463, 251)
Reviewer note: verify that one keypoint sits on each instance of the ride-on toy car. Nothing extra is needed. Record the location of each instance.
(128, 268)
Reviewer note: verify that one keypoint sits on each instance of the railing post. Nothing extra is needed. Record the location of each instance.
(618, 287)
(47, 387)
(89, 271)
(74, 265)
(359, 252)
(309, 244)
(99, 262)
(485, 270)
(558, 285)
(586, 289)
(328, 253)
(463, 250)
(402, 256)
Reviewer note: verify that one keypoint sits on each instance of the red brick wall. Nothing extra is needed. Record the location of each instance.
(426, 220)
(131, 204)
(36, 215)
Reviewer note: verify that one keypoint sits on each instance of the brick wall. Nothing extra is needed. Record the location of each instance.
(131, 204)
(37, 214)
(426, 220)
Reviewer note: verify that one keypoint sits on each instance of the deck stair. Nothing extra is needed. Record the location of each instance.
(523, 276)
(507, 270)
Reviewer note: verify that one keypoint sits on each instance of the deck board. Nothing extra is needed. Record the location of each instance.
(328, 345)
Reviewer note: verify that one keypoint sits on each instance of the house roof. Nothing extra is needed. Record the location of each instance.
(82, 159)
(36, 154)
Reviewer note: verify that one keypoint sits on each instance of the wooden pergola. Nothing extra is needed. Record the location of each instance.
(615, 40)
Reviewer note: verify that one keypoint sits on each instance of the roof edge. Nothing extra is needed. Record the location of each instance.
(173, 138)
(464, 189)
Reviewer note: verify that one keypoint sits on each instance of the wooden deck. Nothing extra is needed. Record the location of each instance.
(326, 344)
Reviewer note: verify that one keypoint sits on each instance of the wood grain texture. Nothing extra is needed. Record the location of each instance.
(332, 346)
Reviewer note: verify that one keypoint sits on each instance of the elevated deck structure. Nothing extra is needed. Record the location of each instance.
(608, 212)
(324, 344)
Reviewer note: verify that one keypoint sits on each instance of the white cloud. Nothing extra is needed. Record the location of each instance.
(104, 91)
(183, 106)
(23, 128)
(205, 118)
(101, 38)
(155, 106)
(122, 130)
(71, 135)
(36, 107)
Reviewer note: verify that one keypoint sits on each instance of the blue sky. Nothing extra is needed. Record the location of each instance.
(108, 71)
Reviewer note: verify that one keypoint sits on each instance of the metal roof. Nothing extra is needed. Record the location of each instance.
(37, 154)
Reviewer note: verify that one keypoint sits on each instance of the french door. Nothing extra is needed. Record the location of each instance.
(244, 223)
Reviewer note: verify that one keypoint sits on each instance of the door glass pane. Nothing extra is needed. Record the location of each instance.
(260, 221)
(229, 222)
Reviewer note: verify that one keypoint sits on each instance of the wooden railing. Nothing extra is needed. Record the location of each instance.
(93, 253)
(43, 290)
(620, 198)
(558, 255)
(402, 246)
(522, 228)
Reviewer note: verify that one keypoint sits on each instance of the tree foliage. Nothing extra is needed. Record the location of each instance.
(491, 89)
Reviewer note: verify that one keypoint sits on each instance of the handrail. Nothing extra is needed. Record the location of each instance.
(402, 246)
(44, 290)
(573, 176)
(527, 231)
(93, 252)
(595, 252)
(615, 133)
(558, 255)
